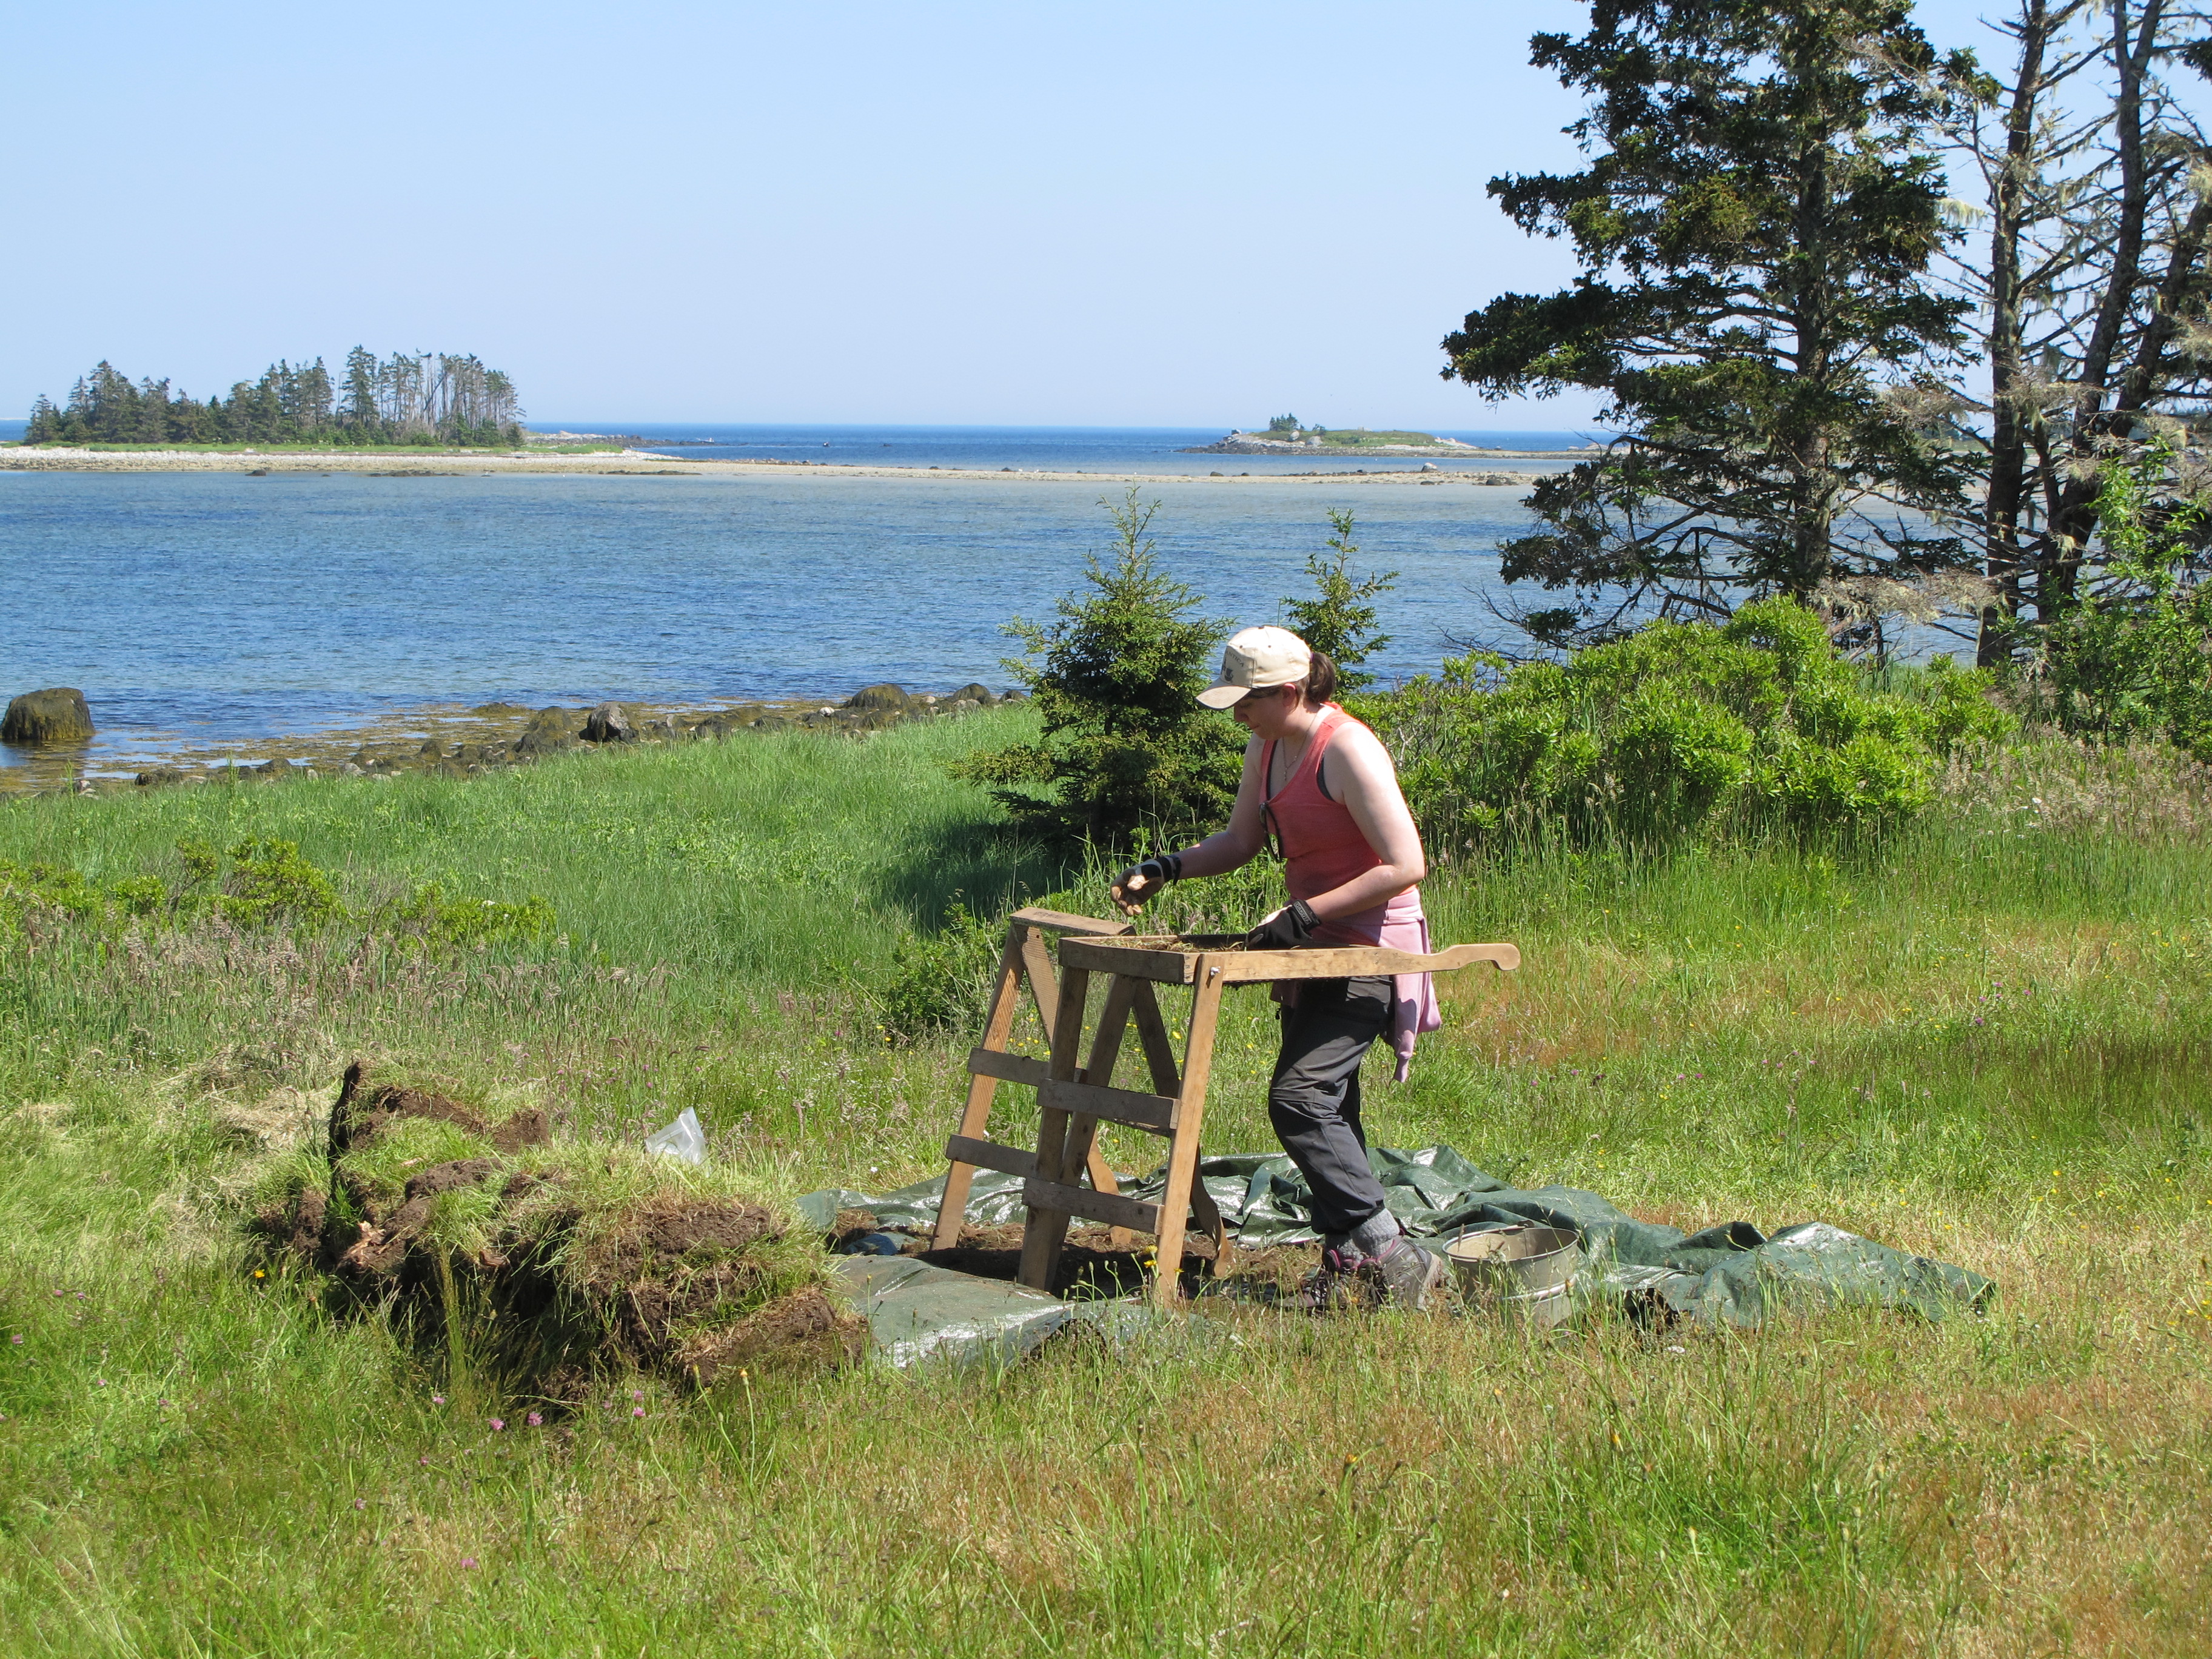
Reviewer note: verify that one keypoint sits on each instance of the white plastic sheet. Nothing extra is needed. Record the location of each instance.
(683, 1138)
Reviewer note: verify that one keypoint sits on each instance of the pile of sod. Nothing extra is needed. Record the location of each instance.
(547, 1268)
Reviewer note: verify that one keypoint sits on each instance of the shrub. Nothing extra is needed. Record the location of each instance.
(1676, 731)
(941, 982)
(2131, 657)
(270, 881)
(428, 918)
(1115, 677)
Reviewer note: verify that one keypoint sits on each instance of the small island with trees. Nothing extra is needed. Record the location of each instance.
(424, 400)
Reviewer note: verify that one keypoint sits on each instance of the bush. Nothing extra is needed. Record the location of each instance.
(270, 880)
(428, 918)
(1126, 743)
(2132, 657)
(1676, 731)
(941, 982)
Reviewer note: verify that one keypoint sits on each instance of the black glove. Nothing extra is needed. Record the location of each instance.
(1291, 926)
(1156, 873)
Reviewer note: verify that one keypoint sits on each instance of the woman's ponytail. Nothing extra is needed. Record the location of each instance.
(1320, 681)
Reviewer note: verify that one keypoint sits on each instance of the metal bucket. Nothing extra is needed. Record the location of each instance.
(1522, 1270)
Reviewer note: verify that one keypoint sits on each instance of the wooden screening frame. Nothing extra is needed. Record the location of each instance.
(1026, 959)
(1073, 1100)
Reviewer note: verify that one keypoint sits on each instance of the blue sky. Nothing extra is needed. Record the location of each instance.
(1065, 214)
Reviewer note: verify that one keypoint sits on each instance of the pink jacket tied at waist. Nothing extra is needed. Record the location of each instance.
(1397, 926)
(1323, 849)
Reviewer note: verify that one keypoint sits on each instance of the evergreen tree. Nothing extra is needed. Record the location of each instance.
(110, 405)
(358, 413)
(1754, 229)
(1115, 675)
(46, 425)
(153, 413)
(1338, 622)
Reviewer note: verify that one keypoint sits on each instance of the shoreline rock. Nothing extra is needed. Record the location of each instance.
(511, 736)
(57, 715)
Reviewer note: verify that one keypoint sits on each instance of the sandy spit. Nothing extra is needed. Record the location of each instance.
(640, 463)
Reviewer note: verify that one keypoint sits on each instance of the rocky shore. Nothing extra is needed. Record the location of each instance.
(487, 737)
(1244, 443)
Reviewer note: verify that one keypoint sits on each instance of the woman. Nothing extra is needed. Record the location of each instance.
(1325, 786)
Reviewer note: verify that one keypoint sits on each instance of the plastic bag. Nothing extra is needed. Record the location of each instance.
(683, 1138)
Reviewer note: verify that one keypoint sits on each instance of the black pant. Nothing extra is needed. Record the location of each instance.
(1313, 1100)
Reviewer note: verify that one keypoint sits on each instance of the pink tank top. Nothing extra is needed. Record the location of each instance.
(1323, 847)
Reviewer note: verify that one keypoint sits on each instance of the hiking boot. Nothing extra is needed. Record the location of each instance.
(1407, 1273)
(1343, 1285)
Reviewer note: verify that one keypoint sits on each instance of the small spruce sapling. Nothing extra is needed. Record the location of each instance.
(1115, 677)
(1337, 622)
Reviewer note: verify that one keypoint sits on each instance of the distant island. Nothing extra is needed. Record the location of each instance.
(425, 400)
(1287, 435)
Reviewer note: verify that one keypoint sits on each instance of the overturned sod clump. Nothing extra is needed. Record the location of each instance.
(546, 1267)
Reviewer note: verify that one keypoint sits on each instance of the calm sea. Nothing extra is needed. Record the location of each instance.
(200, 607)
(1044, 449)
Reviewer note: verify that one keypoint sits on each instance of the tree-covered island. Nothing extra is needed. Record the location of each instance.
(1286, 434)
(427, 399)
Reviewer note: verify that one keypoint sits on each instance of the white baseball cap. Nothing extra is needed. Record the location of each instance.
(1257, 658)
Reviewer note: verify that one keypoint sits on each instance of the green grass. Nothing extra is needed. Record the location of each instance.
(1990, 1046)
(1361, 438)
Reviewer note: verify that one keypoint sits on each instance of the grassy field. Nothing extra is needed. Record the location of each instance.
(1985, 1042)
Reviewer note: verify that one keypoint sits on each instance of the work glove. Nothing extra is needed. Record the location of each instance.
(1140, 882)
(1289, 927)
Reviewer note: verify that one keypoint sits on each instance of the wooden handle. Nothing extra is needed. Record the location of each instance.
(1059, 922)
(1352, 961)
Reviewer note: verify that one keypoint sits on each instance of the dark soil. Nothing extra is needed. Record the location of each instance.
(364, 1109)
(1089, 1264)
(682, 1286)
(803, 1331)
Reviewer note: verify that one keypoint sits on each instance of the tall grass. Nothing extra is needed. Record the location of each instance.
(1983, 1042)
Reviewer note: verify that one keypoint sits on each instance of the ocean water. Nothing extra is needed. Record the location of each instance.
(200, 607)
(1045, 449)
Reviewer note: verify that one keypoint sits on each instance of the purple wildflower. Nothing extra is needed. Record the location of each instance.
(437, 1400)
(468, 1563)
(534, 1421)
(637, 1411)
(499, 1425)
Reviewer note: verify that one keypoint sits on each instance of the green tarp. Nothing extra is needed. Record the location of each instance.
(1730, 1275)
(916, 1312)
